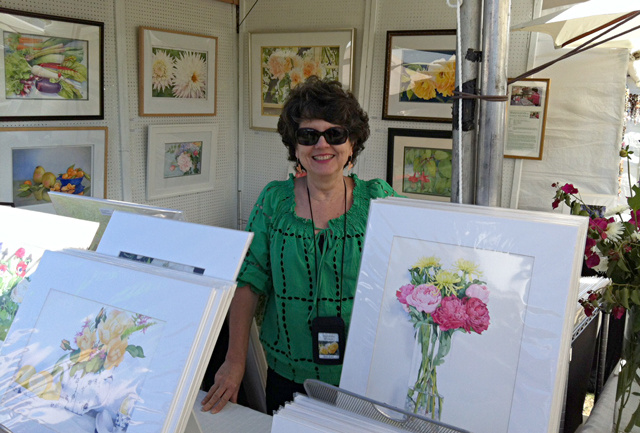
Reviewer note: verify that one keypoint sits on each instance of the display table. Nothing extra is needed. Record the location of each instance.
(233, 418)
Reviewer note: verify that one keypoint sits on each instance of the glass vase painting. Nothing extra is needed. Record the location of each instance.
(88, 368)
(284, 68)
(446, 321)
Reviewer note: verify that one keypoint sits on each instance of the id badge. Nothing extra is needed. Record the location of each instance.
(328, 340)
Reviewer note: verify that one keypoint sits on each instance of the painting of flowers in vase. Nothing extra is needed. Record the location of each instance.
(284, 68)
(86, 366)
(182, 159)
(446, 335)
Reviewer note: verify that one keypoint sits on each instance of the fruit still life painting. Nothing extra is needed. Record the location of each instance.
(36, 172)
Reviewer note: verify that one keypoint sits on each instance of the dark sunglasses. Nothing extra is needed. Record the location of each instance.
(335, 135)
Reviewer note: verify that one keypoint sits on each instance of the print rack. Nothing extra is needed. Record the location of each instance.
(374, 410)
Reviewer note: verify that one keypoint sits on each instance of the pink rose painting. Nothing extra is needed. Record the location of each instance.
(439, 303)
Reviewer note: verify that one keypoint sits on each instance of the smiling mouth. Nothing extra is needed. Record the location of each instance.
(322, 157)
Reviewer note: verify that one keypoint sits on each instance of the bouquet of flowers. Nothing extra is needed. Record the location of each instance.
(440, 302)
(13, 269)
(613, 250)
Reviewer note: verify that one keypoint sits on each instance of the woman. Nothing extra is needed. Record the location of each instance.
(306, 250)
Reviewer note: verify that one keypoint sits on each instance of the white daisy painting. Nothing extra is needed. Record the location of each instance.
(178, 73)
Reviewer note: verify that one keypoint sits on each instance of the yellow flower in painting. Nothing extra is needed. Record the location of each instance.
(115, 325)
(332, 348)
(468, 267)
(116, 350)
(427, 262)
(278, 65)
(425, 88)
(85, 342)
(24, 374)
(296, 62)
(445, 74)
(52, 394)
(323, 350)
(446, 281)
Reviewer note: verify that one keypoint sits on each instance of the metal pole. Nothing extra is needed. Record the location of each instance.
(464, 140)
(492, 113)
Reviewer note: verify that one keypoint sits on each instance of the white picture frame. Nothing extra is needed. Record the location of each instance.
(293, 48)
(163, 95)
(531, 264)
(181, 159)
(55, 149)
(162, 389)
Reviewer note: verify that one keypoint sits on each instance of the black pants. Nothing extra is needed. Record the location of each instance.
(280, 390)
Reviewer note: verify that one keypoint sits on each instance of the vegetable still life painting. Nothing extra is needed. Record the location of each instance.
(42, 67)
(88, 367)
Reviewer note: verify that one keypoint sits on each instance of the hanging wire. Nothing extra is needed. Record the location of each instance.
(245, 17)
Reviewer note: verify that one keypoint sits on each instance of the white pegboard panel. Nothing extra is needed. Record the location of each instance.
(210, 18)
(101, 11)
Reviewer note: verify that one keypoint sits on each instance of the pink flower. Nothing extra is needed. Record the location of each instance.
(172, 168)
(618, 312)
(555, 203)
(478, 291)
(569, 189)
(3, 268)
(451, 314)
(592, 261)
(403, 292)
(20, 253)
(478, 315)
(21, 269)
(425, 298)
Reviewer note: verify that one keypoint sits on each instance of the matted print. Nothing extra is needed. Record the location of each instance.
(279, 62)
(92, 364)
(178, 73)
(453, 300)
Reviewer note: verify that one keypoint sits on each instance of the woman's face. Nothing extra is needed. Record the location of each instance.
(322, 158)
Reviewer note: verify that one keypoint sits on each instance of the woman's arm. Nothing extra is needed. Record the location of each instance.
(229, 375)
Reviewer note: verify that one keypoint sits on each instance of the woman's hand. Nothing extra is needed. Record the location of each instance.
(225, 387)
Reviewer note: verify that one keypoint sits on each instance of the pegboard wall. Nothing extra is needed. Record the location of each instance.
(246, 159)
(265, 157)
(206, 17)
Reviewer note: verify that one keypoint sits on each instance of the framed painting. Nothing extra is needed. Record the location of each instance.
(526, 118)
(178, 73)
(278, 62)
(420, 75)
(114, 361)
(180, 159)
(419, 163)
(51, 68)
(35, 161)
(453, 300)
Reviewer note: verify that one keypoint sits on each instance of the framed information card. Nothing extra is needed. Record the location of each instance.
(526, 118)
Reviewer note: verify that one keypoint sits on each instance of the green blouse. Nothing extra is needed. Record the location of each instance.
(280, 264)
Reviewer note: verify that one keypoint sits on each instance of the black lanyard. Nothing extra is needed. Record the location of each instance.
(315, 248)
